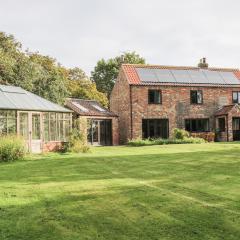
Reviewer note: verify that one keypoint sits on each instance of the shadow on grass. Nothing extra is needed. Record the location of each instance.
(62, 168)
(141, 213)
(188, 195)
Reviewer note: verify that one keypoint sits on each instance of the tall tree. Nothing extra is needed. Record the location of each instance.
(31, 71)
(80, 86)
(50, 78)
(106, 71)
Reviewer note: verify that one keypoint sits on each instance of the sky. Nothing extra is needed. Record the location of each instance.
(78, 33)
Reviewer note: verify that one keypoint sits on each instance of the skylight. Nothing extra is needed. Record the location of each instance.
(83, 109)
(99, 108)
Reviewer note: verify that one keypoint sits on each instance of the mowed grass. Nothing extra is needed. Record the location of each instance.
(158, 192)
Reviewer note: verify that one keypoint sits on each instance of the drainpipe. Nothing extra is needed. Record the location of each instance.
(227, 128)
(131, 114)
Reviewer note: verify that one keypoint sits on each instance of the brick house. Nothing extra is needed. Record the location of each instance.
(153, 100)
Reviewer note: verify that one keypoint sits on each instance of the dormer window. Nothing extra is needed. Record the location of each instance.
(154, 97)
(196, 97)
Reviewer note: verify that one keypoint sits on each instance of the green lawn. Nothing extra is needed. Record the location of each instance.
(158, 192)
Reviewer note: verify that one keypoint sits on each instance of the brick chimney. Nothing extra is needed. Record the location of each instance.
(203, 63)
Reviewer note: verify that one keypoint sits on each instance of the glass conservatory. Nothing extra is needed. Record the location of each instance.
(44, 125)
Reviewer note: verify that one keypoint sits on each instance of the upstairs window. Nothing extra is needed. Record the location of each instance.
(197, 125)
(236, 97)
(196, 97)
(154, 97)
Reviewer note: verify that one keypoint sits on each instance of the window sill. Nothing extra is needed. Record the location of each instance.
(154, 103)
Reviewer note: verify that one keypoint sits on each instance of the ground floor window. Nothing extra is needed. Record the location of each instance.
(155, 128)
(197, 125)
(236, 123)
(8, 122)
(57, 126)
(100, 131)
(236, 129)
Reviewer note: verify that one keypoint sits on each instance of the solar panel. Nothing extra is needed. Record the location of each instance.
(165, 75)
(181, 76)
(213, 77)
(229, 78)
(146, 75)
(197, 77)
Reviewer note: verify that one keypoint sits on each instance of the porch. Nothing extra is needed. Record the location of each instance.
(227, 121)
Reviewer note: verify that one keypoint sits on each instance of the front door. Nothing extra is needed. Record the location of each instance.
(100, 132)
(36, 141)
(105, 132)
(236, 129)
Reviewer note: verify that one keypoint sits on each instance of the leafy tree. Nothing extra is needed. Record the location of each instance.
(106, 71)
(43, 75)
(50, 78)
(80, 86)
(31, 71)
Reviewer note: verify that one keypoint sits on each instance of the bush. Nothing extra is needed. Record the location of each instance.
(77, 140)
(160, 141)
(180, 133)
(12, 148)
(180, 136)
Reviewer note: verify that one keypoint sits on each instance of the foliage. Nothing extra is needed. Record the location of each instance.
(80, 86)
(106, 71)
(78, 139)
(49, 78)
(44, 76)
(160, 141)
(11, 148)
(180, 133)
(34, 72)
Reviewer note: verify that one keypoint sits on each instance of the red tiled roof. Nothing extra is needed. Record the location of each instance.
(88, 108)
(225, 110)
(133, 78)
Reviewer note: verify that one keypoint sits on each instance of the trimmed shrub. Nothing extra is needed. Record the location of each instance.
(180, 137)
(12, 148)
(160, 141)
(180, 133)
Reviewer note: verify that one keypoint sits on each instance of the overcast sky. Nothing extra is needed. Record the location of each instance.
(172, 32)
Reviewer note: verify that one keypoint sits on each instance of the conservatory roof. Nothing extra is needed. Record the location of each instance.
(16, 98)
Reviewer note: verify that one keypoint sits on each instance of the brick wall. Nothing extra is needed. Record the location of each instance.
(53, 146)
(175, 105)
(120, 104)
